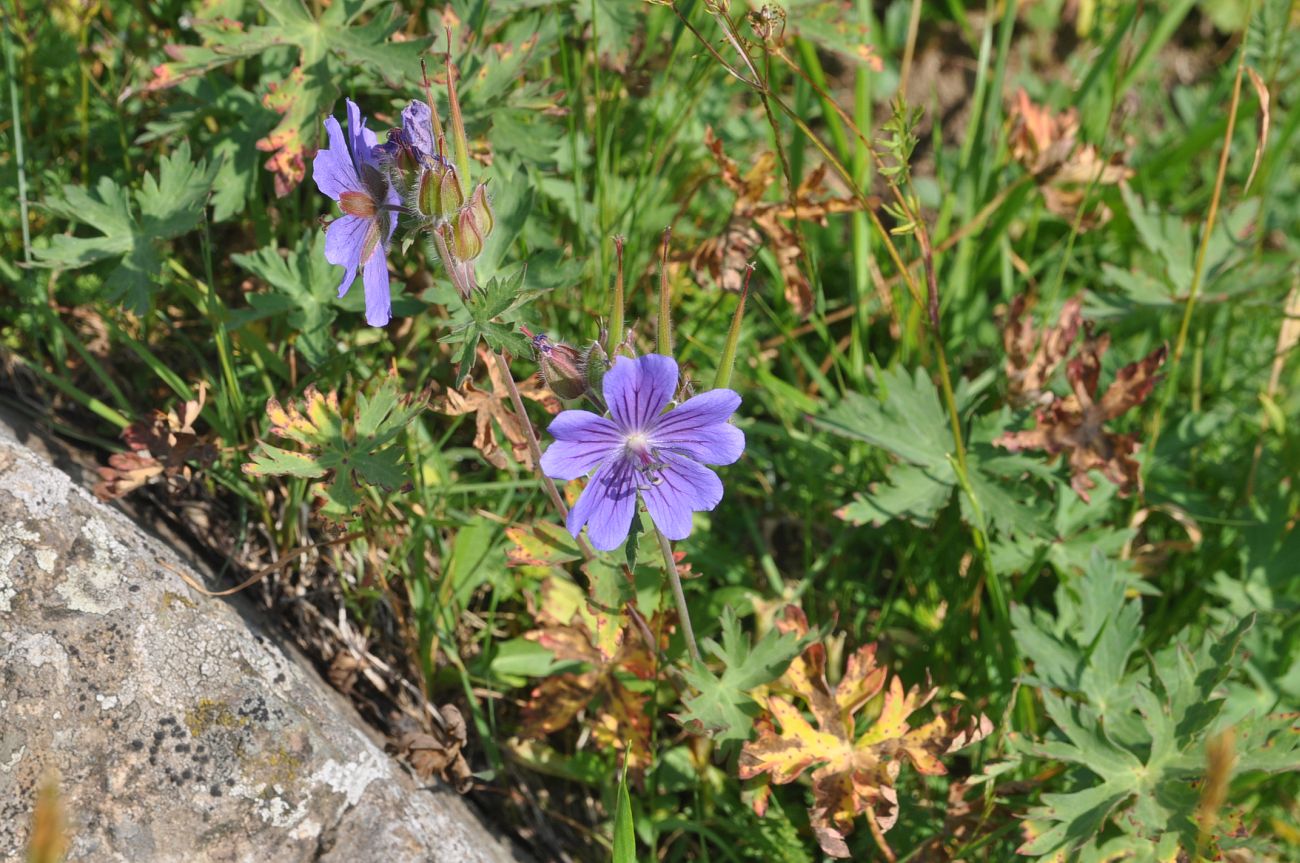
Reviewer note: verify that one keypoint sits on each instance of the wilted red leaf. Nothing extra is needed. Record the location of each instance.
(724, 259)
(856, 773)
(492, 410)
(1032, 357)
(1047, 146)
(1076, 424)
(163, 445)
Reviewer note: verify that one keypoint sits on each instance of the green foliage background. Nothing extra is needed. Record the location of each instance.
(146, 248)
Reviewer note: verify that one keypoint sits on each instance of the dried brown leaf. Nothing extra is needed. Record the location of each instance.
(1047, 146)
(492, 410)
(723, 259)
(442, 754)
(160, 446)
(1076, 424)
(1032, 357)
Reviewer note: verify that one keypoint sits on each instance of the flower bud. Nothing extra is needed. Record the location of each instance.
(482, 209)
(562, 367)
(595, 363)
(466, 238)
(437, 192)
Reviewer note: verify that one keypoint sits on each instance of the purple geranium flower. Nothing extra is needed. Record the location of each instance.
(641, 448)
(350, 174)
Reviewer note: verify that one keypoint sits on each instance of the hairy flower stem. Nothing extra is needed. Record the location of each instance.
(535, 448)
(460, 273)
(670, 564)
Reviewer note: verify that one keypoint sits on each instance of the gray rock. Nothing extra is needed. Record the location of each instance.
(180, 730)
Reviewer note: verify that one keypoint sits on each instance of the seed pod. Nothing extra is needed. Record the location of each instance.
(437, 193)
(595, 363)
(482, 210)
(466, 237)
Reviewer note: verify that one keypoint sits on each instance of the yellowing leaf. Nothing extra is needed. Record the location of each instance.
(855, 773)
(358, 450)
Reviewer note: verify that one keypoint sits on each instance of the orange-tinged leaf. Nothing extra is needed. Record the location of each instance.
(854, 774)
(540, 544)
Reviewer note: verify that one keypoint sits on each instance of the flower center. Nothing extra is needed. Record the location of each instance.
(639, 445)
(649, 468)
(357, 204)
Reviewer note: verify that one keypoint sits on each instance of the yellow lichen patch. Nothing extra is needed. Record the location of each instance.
(209, 714)
(280, 767)
(170, 599)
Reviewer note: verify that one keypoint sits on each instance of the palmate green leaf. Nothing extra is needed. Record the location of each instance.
(489, 315)
(1086, 646)
(355, 453)
(131, 227)
(910, 493)
(908, 420)
(722, 706)
(304, 285)
(347, 33)
(224, 121)
(1133, 727)
(1077, 530)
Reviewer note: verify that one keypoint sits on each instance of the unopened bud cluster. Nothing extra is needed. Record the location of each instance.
(435, 197)
(569, 372)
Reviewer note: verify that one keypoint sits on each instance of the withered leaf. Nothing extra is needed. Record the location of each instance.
(1047, 146)
(442, 754)
(856, 773)
(160, 446)
(1032, 357)
(1076, 424)
(612, 653)
(723, 259)
(492, 410)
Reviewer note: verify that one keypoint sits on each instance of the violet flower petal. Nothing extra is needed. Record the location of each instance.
(606, 505)
(637, 391)
(345, 240)
(332, 169)
(379, 301)
(417, 123)
(682, 487)
(360, 139)
(582, 441)
(698, 428)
